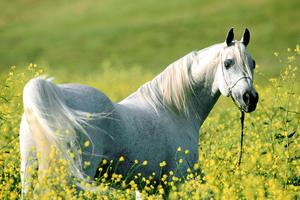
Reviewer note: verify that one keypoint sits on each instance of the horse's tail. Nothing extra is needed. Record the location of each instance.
(53, 123)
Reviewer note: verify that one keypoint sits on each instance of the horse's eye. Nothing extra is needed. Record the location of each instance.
(254, 64)
(228, 63)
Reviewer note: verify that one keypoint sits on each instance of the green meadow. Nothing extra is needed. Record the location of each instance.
(116, 46)
(79, 36)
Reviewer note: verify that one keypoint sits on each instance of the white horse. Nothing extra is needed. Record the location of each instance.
(150, 124)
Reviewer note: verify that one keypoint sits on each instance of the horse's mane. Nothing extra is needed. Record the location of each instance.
(173, 88)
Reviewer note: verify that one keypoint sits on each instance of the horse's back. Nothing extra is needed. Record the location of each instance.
(85, 98)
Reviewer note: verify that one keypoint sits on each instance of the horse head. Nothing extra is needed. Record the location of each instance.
(235, 72)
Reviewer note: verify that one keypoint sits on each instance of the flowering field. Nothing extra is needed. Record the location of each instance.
(270, 167)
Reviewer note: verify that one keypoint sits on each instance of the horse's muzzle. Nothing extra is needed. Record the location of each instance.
(250, 101)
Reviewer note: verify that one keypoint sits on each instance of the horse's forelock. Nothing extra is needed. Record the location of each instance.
(243, 57)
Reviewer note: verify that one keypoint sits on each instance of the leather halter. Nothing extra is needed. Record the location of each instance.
(229, 88)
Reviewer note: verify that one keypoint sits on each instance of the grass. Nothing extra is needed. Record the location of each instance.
(81, 35)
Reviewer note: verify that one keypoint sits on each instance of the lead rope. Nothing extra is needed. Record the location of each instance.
(242, 136)
(242, 118)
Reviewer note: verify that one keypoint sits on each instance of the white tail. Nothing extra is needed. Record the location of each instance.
(53, 123)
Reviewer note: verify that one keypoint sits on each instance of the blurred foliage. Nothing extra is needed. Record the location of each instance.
(79, 35)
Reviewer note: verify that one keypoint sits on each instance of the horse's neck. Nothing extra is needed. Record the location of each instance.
(201, 100)
(205, 88)
(205, 100)
(206, 92)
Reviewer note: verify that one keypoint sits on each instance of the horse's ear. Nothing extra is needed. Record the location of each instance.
(229, 37)
(246, 37)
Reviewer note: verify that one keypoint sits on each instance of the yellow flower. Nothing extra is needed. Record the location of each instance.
(179, 149)
(191, 176)
(291, 58)
(87, 143)
(145, 163)
(161, 191)
(297, 49)
(104, 162)
(133, 184)
(121, 159)
(105, 175)
(174, 178)
(30, 66)
(164, 177)
(163, 164)
(196, 166)
(88, 115)
(189, 170)
(72, 155)
(186, 152)
(87, 163)
(123, 184)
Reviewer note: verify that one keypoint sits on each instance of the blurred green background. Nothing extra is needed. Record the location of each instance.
(79, 36)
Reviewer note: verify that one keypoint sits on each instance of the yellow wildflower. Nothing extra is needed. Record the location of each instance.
(145, 163)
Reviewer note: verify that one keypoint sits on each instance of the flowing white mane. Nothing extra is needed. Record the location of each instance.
(172, 88)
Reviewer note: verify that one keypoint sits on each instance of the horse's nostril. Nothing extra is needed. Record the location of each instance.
(246, 97)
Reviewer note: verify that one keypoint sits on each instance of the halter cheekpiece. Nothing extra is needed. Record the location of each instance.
(229, 88)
